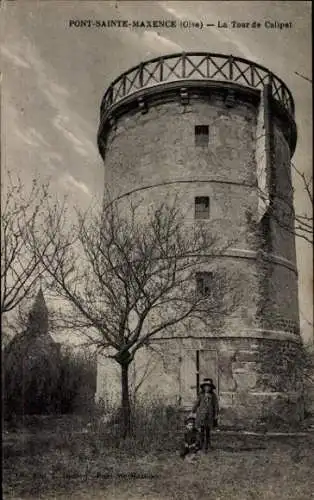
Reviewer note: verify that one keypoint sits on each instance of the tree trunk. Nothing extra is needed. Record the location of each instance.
(125, 401)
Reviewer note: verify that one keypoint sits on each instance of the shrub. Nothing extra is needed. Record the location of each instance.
(77, 383)
(47, 383)
(155, 426)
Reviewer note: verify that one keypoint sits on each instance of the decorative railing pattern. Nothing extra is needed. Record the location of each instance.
(196, 66)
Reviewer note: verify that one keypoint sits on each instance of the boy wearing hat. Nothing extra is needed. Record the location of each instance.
(191, 439)
(206, 408)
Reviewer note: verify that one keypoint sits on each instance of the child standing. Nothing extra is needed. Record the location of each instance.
(206, 407)
(191, 439)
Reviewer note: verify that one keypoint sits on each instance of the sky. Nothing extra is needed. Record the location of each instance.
(54, 77)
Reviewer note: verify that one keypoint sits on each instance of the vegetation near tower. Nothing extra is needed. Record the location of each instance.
(21, 212)
(31, 365)
(126, 279)
(217, 131)
(39, 378)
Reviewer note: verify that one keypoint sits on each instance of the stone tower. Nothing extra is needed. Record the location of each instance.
(218, 132)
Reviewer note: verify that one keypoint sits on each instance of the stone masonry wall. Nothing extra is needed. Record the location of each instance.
(153, 156)
(255, 378)
(145, 149)
(279, 281)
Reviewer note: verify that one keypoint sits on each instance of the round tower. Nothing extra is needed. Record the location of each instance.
(218, 132)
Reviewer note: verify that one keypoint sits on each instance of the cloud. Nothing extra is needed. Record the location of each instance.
(72, 126)
(42, 153)
(211, 17)
(174, 12)
(27, 138)
(32, 137)
(242, 48)
(52, 90)
(153, 39)
(68, 181)
(54, 157)
(61, 123)
(57, 89)
(13, 57)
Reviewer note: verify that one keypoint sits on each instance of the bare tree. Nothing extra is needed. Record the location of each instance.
(281, 208)
(20, 266)
(126, 278)
(303, 76)
(303, 226)
(143, 371)
(304, 221)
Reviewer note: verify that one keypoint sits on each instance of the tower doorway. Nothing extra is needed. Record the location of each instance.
(194, 367)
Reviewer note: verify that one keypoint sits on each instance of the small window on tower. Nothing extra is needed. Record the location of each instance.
(201, 135)
(204, 283)
(201, 207)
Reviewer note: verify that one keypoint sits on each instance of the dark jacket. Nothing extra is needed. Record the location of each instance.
(206, 408)
(192, 438)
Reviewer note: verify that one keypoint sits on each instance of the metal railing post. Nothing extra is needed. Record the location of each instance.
(141, 76)
(231, 67)
(183, 65)
(161, 74)
(252, 72)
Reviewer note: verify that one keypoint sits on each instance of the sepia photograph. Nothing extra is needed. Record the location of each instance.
(157, 250)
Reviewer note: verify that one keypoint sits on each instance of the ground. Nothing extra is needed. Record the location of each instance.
(60, 465)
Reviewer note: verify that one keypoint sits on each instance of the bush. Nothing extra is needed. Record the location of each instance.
(47, 384)
(77, 383)
(155, 426)
(29, 382)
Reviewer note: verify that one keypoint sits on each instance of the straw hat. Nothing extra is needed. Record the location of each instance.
(209, 382)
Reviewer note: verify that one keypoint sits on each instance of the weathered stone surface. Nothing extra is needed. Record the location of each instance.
(153, 156)
(244, 379)
(225, 400)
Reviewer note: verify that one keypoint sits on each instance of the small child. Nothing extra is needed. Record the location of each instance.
(191, 443)
(206, 408)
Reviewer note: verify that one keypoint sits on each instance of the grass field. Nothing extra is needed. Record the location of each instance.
(67, 463)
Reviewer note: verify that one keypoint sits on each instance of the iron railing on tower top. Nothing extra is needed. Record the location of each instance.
(196, 66)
